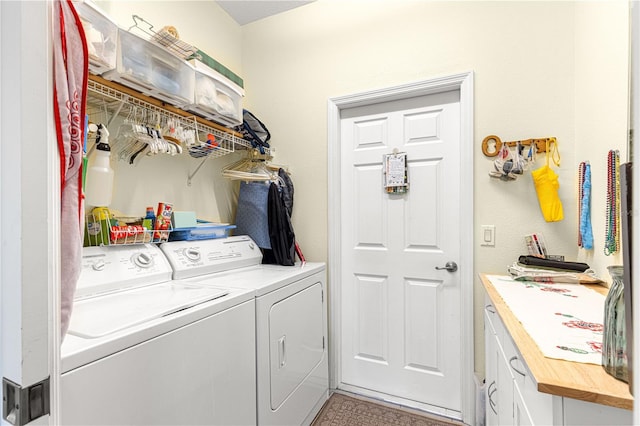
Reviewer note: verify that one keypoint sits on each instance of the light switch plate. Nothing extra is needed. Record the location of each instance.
(488, 235)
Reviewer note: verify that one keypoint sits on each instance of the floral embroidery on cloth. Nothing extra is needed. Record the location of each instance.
(568, 328)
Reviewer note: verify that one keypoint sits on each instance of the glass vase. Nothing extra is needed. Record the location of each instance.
(614, 343)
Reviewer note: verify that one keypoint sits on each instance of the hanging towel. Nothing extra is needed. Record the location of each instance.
(251, 217)
(70, 75)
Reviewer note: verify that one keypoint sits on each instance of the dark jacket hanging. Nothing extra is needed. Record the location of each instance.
(287, 190)
(280, 231)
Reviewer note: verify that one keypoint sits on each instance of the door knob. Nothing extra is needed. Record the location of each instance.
(449, 266)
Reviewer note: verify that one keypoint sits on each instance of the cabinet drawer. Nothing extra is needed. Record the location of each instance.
(490, 314)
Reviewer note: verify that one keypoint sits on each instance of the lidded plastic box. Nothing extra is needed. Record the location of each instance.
(102, 37)
(152, 70)
(216, 97)
(202, 231)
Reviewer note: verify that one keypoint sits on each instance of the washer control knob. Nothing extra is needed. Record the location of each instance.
(252, 246)
(98, 265)
(192, 254)
(143, 260)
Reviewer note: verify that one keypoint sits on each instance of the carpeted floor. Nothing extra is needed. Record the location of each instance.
(343, 410)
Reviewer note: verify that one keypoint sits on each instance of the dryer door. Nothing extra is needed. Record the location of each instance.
(296, 341)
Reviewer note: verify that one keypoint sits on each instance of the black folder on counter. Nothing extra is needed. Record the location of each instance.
(555, 264)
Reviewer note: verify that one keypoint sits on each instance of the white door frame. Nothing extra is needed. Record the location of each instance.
(30, 206)
(635, 238)
(464, 83)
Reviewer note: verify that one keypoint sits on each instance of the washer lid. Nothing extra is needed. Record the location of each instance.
(103, 315)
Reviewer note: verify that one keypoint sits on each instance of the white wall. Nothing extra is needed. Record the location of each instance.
(529, 60)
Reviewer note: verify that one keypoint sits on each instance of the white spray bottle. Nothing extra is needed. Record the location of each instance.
(100, 174)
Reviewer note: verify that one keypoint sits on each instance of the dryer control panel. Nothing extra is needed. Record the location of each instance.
(113, 268)
(195, 258)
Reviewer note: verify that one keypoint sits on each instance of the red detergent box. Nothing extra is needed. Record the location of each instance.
(163, 222)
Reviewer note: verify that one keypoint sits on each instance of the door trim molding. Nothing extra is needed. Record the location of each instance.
(464, 83)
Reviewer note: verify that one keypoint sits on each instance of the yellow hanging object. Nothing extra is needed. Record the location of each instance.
(546, 183)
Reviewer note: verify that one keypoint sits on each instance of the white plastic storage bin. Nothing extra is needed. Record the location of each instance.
(216, 97)
(152, 70)
(102, 36)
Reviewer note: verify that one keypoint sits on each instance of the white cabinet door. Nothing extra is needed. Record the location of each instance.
(521, 415)
(539, 405)
(504, 379)
(491, 366)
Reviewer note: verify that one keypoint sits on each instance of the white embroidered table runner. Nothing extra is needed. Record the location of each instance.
(565, 320)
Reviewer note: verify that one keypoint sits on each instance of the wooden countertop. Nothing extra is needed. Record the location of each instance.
(587, 382)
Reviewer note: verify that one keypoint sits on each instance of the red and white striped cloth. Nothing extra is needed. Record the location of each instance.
(70, 74)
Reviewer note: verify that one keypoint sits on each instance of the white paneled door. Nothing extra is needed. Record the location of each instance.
(400, 314)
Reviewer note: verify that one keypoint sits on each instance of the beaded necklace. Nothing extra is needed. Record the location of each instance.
(612, 238)
(581, 169)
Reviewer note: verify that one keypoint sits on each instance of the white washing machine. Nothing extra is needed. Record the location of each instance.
(291, 323)
(143, 349)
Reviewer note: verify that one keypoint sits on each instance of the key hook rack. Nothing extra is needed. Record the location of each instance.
(495, 142)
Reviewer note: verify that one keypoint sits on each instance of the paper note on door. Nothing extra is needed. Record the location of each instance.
(395, 173)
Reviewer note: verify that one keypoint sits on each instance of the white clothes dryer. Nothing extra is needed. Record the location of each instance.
(291, 323)
(145, 350)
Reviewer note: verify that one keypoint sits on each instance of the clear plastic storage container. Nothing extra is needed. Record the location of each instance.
(202, 231)
(216, 97)
(152, 70)
(102, 37)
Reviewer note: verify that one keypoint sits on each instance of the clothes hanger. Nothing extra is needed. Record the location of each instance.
(252, 168)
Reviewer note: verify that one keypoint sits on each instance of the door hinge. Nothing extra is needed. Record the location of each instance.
(23, 405)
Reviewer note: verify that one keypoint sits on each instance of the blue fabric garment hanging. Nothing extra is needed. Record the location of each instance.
(585, 217)
(252, 215)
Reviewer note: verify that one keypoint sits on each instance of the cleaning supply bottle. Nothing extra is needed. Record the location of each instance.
(99, 187)
(149, 220)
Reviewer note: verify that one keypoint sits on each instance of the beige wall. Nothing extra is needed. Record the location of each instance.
(601, 62)
(163, 178)
(201, 23)
(541, 69)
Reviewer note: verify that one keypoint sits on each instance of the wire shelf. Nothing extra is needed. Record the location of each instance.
(209, 142)
(101, 229)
